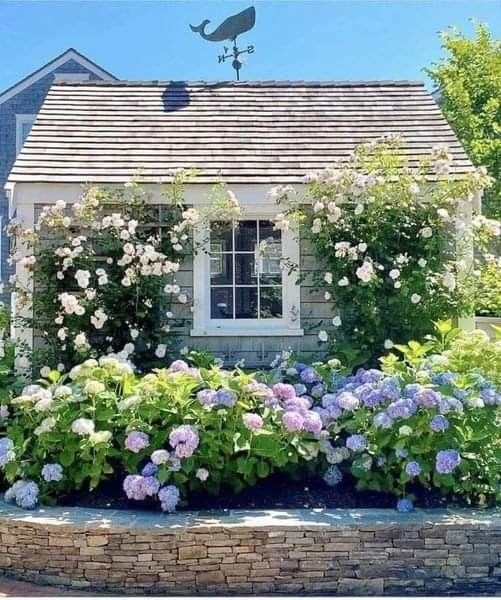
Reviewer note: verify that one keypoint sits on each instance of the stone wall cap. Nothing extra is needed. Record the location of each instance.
(89, 519)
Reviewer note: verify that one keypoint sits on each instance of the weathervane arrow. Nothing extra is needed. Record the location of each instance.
(230, 29)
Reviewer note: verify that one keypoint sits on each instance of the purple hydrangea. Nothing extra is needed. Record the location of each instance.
(252, 421)
(401, 409)
(427, 397)
(390, 388)
(149, 469)
(356, 442)
(300, 405)
(185, 440)
(137, 441)
(312, 422)
(347, 401)
(292, 420)
(413, 468)
(226, 398)
(179, 366)
(369, 376)
(405, 505)
(24, 493)
(207, 397)
(309, 375)
(439, 423)
(369, 395)
(284, 391)
(138, 487)
(329, 400)
(382, 420)
(447, 460)
(332, 475)
(52, 472)
(411, 389)
(169, 498)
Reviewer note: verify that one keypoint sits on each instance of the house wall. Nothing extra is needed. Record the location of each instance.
(316, 314)
(27, 102)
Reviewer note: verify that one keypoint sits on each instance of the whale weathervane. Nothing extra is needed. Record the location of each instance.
(229, 30)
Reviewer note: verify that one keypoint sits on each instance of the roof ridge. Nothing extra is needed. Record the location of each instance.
(248, 83)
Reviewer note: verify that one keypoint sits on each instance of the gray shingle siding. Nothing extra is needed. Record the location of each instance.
(26, 102)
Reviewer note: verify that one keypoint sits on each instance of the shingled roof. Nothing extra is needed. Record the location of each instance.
(242, 132)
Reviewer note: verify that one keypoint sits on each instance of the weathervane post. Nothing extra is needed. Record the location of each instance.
(229, 30)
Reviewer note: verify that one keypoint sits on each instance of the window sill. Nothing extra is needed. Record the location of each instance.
(247, 332)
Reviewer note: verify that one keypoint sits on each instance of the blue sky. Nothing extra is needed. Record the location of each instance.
(294, 39)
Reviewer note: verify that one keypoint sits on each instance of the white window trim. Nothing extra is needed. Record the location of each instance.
(1, 249)
(204, 326)
(20, 121)
(61, 76)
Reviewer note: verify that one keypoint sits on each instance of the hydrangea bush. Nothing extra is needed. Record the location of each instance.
(386, 234)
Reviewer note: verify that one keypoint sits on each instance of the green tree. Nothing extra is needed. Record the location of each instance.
(469, 79)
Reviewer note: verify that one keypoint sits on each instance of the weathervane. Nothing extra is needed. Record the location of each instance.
(229, 29)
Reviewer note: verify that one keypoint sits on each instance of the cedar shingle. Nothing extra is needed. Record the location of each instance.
(256, 132)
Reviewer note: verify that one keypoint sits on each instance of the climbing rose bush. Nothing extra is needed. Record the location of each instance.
(385, 235)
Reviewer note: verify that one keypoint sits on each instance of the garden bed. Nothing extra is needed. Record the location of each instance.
(357, 551)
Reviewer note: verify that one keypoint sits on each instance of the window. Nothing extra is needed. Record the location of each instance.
(23, 128)
(240, 284)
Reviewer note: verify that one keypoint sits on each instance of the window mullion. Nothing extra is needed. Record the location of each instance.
(233, 281)
(257, 258)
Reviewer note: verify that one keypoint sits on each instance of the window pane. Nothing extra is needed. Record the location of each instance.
(246, 236)
(221, 303)
(221, 236)
(266, 231)
(271, 302)
(221, 269)
(246, 303)
(245, 269)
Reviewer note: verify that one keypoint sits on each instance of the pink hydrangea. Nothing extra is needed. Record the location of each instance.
(184, 439)
(137, 441)
(252, 421)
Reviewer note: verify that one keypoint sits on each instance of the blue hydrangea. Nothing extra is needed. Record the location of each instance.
(149, 469)
(413, 468)
(382, 420)
(52, 472)
(333, 475)
(446, 461)
(226, 398)
(401, 409)
(411, 389)
(445, 378)
(356, 442)
(23, 493)
(390, 388)
(439, 423)
(309, 375)
(7, 453)
(405, 505)
(169, 498)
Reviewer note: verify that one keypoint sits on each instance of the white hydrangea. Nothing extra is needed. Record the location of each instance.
(83, 426)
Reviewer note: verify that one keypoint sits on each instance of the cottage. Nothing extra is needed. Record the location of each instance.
(252, 135)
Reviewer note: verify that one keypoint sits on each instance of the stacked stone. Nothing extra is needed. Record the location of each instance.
(367, 559)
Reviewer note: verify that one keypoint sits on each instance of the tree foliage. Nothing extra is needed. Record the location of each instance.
(469, 79)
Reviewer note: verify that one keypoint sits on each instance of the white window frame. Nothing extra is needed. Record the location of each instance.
(20, 121)
(288, 325)
(61, 76)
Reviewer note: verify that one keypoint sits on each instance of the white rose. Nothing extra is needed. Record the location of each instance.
(388, 344)
(328, 278)
(394, 273)
(336, 321)
(343, 282)
(422, 262)
(415, 298)
(160, 351)
(426, 232)
(323, 336)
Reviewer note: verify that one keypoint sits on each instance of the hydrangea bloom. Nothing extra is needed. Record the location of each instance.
(413, 468)
(202, 474)
(252, 421)
(83, 426)
(347, 401)
(292, 420)
(405, 505)
(356, 442)
(52, 472)
(333, 475)
(439, 423)
(312, 422)
(382, 420)
(226, 398)
(179, 366)
(23, 493)
(138, 487)
(309, 375)
(184, 439)
(137, 441)
(284, 391)
(160, 457)
(207, 397)
(7, 453)
(149, 469)
(169, 498)
(401, 409)
(300, 389)
(447, 460)
(427, 397)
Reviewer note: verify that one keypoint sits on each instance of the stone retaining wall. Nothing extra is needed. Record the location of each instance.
(297, 551)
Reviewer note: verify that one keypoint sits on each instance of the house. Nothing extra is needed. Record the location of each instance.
(252, 135)
(19, 105)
